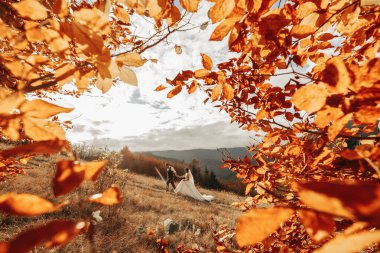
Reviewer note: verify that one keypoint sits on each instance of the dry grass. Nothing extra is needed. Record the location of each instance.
(145, 204)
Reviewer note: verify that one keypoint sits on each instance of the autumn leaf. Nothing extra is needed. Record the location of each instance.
(190, 5)
(70, 174)
(257, 224)
(193, 87)
(319, 226)
(53, 234)
(109, 197)
(26, 204)
(336, 76)
(177, 89)
(350, 243)
(337, 126)
(228, 92)
(122, 15)
(310, 98)
(248, 188)
(206, 61)
(326, 116)
(128, 76)
(199, 73)
(221, 10)
(104, 84)
(40, 147)
(349, 200)
(160, 88)
(178, 49)
(130, 60)
(216, 91)
(41, 109)
(31, 9)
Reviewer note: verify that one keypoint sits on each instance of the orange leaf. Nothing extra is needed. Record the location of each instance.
(325, 116)
(174, 15)
(221, 9)
(350, 243)
(248, 188)
(41, 109)
(122, 15)
(228, 92)
(350, 200)
(223, 29)
(193, 86)
(257, 224)
(41, 147)
(310, 98)
(52, 234)
(160, 88)
(199, 73)
(175, 91)
(109, 197)
(190, 5)
(26, 204)
(318, 225)
(70, 174)
(336, 75)
(216, 91)
(337, 126)
(31, 9)
(206, 61)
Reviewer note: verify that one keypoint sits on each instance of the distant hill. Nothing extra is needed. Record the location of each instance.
(208, 158)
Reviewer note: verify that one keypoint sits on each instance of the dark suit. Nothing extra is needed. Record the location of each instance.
(170, 174)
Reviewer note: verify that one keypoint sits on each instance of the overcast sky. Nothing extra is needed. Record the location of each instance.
(144, 120)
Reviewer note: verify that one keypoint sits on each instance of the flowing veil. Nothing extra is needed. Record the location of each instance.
(188, 188)
(191, 178)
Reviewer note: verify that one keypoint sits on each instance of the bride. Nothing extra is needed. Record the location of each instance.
(187, 187)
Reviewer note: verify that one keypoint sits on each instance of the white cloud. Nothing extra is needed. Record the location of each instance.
(146, 119)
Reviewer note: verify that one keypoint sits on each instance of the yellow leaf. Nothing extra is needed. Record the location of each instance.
(128, 76)
(122, 15)
(104, 84)
(31, 9)
(131, 60)
(257, 224)
(178, 49)
(41, 109)
(42, 130)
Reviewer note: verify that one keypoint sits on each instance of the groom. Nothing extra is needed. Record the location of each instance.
(170, 174)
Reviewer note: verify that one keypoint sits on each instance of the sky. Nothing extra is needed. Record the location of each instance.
(145, 120)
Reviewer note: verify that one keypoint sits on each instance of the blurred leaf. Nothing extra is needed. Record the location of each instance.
(50, 235)
(109, 197)
(257, 224)
(26, 204)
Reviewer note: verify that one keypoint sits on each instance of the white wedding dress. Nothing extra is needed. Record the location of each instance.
(187, 188)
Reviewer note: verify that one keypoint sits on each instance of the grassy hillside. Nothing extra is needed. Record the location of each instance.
(124, 227)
